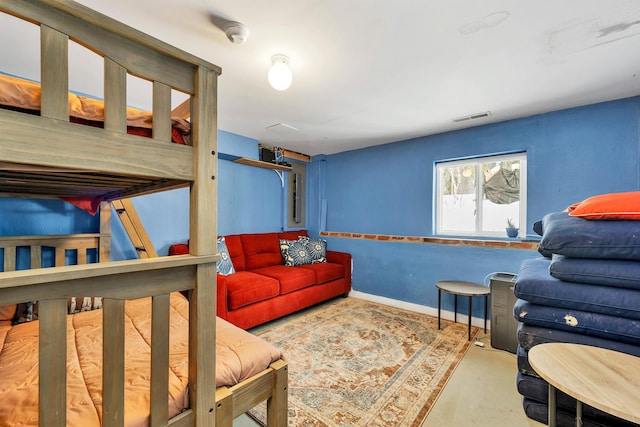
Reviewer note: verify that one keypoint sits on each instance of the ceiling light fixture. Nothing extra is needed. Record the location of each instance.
(280, 76)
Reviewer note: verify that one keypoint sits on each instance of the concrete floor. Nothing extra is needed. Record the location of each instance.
(480, 393)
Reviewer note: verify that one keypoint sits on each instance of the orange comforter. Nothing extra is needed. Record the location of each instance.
(239, 355)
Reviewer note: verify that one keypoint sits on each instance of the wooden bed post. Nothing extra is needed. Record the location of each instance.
(277, 404)
(202, 235)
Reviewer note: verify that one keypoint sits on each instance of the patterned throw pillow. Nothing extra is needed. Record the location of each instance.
(224, 266)
(294, 252)
(78, 304)
(28, 311)
(317, 249)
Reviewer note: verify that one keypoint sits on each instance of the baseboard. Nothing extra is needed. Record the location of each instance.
(445, 314)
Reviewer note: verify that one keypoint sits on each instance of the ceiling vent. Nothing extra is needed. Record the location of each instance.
(283, 130)
(472, 117)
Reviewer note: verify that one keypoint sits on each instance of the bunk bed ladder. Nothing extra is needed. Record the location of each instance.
(134, 228)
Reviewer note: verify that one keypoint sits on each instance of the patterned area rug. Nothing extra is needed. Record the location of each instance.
(358, 363)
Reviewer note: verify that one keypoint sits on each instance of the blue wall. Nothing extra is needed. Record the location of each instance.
(389, 189)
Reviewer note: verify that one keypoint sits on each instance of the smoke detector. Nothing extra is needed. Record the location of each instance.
(236, 32)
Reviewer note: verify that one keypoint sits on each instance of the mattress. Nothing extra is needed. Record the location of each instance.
(534, 284)
(538, 411)
(581, 238)
(239, 355)
(607, 272)
(530, 335)
(524, 367)
(579, 322)
(536, 393)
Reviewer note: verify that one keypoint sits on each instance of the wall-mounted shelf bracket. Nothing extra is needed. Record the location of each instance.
(280, 174)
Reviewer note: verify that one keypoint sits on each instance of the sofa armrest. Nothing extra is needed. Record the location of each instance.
(222, 310)
(342, 258)
(179, 249)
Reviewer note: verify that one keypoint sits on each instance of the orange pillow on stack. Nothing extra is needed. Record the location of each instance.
(611, 206)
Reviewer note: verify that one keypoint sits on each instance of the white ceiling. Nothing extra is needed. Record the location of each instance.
(369, 72)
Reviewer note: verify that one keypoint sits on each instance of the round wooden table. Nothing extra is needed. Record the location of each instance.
(469, 289)
(604, 379)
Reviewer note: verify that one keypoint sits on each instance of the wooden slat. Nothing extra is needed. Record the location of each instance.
(183, 110)
(115, 96)
(113, 363)
(104, 248)
(52, 393)
(203, 220)
(36, 256)
(125, 286)
(54, 71)
(160, 360)
(128, 286)
(161, 111)
(68, 241)
(9, 258)
(81, 257)
(60, 256)
(134, 228)
(94, 271)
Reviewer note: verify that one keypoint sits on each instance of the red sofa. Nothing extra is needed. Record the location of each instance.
(263, 288)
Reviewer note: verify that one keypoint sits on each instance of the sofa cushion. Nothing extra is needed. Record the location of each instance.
(245, 287)
(325, 271)
(292, 235)
(236, 252)
(179, 249)
(290, 278)
(261, 250)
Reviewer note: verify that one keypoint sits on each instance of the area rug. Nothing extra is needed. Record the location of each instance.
(358, 363)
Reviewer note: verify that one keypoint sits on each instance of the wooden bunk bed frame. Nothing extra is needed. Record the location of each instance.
(47, 156)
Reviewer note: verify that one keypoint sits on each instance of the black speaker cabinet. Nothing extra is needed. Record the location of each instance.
(504, 327)
(267, 155)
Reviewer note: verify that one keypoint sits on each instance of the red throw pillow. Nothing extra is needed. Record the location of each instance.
(612, 206)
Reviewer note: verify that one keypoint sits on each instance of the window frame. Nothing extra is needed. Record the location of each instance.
(478, 162)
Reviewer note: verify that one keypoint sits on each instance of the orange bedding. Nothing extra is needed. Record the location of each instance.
(24, 95)
(239, 355)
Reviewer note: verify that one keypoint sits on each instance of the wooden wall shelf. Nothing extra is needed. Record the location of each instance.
(260, 164)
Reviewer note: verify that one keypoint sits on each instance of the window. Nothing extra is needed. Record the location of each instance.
(476, 197)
